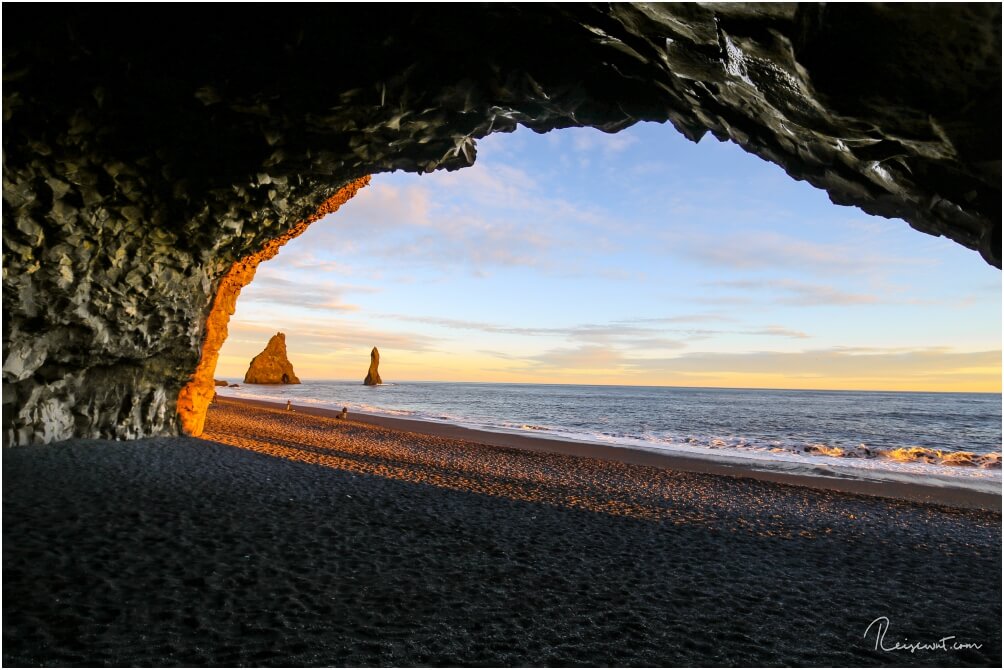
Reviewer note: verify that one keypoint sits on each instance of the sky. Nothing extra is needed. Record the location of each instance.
(636, 258)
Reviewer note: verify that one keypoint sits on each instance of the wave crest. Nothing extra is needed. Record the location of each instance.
(939, 457)
(900, 454)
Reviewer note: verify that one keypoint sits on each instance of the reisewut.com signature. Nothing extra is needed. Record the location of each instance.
(880, 626)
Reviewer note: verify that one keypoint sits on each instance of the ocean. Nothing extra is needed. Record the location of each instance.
(954, 438)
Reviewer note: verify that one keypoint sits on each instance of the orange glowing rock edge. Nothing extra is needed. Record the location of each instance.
(194, 398)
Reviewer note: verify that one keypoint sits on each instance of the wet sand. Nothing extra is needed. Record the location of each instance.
(290, 539)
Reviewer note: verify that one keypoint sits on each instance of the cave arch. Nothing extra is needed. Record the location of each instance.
(138, 172)
(198, 392)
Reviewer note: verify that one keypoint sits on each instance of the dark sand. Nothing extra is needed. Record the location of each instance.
(288, 539)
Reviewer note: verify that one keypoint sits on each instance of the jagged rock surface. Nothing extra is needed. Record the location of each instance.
(373, 375)
(272, 365)
(138, 169)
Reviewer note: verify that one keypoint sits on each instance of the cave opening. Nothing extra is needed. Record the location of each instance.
(147, 179)
(117, 238)
(635, 258)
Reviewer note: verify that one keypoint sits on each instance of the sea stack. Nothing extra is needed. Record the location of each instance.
(373, 376)
(271, 366)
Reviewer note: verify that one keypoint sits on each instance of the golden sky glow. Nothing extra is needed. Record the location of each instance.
(918, 370)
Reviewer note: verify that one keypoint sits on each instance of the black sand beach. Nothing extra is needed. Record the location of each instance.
(937, 492)
(287, 539)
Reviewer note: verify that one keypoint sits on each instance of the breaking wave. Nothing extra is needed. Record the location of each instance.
(902, 455)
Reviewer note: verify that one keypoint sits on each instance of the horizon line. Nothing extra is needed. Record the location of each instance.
(666, 386)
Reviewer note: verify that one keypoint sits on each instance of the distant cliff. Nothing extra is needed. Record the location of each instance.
(272, 366)
(373, 376)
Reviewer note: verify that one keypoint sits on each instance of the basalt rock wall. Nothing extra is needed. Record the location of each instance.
(148, 151)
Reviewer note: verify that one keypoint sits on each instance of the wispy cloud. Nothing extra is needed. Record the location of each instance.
(836, 367)
(311, 262)
(269, 288)
(842, 363)
(326, 336)
(711, 317)
(581, 360)
(484, 327)
(705, 317)
(626, 335)
(805, 294)
(766, 250)
(587, 141)
(478, 219)
(778, 331)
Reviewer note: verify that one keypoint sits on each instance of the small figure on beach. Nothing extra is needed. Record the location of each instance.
(289, 406)
(344, 413)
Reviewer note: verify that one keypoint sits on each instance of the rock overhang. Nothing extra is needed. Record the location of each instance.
(140, 165)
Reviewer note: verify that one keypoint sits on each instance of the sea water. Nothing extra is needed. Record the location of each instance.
(945, 438)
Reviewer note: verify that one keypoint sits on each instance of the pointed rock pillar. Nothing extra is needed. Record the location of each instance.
(373, 376)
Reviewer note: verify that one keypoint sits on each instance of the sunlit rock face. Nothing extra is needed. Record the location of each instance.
(141, 164)
(272, 365)
(198, 392)
(373, 374)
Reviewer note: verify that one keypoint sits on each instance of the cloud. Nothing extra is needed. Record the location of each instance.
(581, 360)
(589, 140)
(936, 368)
(765, 250)
(683, 318)
(841, 363)
(623, 336)
(483, 326)
(494, 183)
(624, 332)
(326, 336)
(269, 288)
(771, 330)
(311, 262)
(804, 294)
(778, 331)
(485, 217)
(399, 224)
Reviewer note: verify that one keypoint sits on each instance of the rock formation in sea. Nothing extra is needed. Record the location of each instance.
(272, 366)
(373, 376)
(220, 382)
(144, 183)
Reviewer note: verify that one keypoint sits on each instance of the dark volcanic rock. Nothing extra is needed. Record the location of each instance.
(272, 366)
(373, 376)
(138, 168)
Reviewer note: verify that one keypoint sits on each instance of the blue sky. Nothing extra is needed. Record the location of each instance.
(635, 258)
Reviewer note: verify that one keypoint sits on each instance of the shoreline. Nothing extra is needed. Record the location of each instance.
(916, 492)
